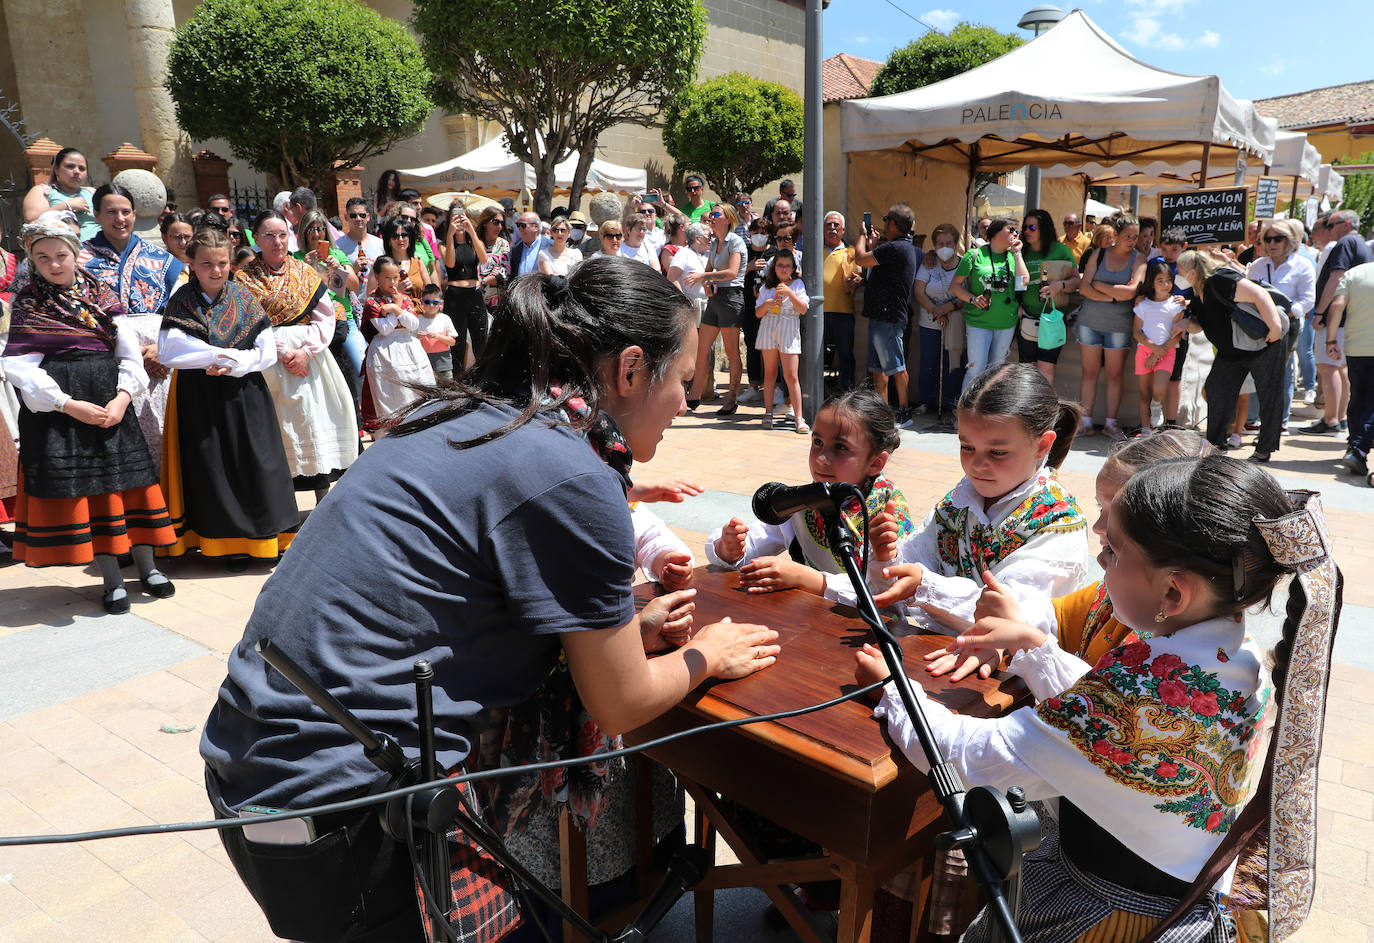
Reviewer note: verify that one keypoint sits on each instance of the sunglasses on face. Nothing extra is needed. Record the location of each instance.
(528, 225)
(694, 188)
(612, 235)
(1275, 238)
(744, 202)
(431, 302)
(715, 215)
(357, 216)
(646, 211)
(1032, 229)
(559, 229)
(787, 239)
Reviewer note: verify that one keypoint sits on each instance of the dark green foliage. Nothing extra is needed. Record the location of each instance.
(568, 69)
(1358, 194)
(939, 56)
(737, 131)
(295, 86)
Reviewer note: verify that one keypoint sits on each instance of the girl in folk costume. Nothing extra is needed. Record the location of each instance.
(1154, 753)
(1082, 627)
(224, 469)
(88, 485)
(9, 431)
(852, 440)
(1009, 515)
(395, 356)
(142, 276)
(314, 407)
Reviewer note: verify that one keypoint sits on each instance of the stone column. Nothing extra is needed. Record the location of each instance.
(128, 157)
(212, 176)
(151, 24)
(38, 156)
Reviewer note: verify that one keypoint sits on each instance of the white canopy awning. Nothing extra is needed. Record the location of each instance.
(1071, 96)
(493, 167)
(1331, 185)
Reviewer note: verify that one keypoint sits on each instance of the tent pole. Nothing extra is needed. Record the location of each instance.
(813, 223)
(1206, 159)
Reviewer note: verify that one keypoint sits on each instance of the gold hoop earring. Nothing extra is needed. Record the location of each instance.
(1160, 616)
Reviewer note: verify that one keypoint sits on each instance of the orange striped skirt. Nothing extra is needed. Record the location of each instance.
(70, 531)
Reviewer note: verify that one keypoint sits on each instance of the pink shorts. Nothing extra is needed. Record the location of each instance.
(1166, 363)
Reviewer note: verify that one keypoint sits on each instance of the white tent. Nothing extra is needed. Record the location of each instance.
(1294, 161)
(1071, 96)
(1331, 185)
(492, 167)
(1072, 92)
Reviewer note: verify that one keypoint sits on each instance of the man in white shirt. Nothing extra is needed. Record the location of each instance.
(524, 254)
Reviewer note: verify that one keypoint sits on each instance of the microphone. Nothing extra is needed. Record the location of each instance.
(775, 502)
(685, 871)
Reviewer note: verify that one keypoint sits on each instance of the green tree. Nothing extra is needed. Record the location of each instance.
(555, 74)
(1358, 194)
(737, 131)
(297, 87)
(939, 56)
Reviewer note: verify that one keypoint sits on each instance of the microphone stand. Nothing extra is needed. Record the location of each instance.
(430, 813)
(994, 831)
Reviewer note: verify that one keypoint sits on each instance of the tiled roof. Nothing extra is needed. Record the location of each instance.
(1330, 105)
(844, 76)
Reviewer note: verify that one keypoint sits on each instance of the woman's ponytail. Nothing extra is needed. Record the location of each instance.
(1020, 390)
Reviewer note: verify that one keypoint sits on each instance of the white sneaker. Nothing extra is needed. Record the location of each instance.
(750, 395)
(1085, 426)
(1234, 441)
(1309, 397)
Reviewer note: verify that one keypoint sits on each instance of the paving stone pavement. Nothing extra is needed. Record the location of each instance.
(91, 737)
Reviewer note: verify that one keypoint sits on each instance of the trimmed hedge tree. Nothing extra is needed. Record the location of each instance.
(737, 131)
(939, 56)
(297, 86)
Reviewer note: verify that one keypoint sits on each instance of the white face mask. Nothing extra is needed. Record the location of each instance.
(759, 239)
(1181, 283)
(945, 253)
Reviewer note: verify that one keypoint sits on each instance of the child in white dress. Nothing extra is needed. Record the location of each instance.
(395, 356)
(1157, 310)
(781, 302)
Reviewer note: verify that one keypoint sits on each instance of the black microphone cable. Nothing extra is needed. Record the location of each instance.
(12, 841)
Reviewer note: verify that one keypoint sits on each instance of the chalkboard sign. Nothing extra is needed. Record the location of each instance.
(1205, 215)
(1267, 198)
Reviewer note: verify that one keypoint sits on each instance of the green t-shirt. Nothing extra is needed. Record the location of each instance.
(343, 296)
(983, 269)
(1030, 298)
(695, 213)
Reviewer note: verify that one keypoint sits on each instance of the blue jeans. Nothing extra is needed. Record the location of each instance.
(886, 350)
(1307, 361)
(987, 348)
(349, 348)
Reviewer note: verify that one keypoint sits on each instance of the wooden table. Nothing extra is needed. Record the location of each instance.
(830, 776)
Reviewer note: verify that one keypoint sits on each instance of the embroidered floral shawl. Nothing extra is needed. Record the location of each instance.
(1158, 742)
(233, 320)
(967, 549)
(46, 319)
(879, 493)
(288, 295)
(143, 277)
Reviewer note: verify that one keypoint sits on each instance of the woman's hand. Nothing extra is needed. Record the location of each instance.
(155, 370)
(982, 302)
(296, 362)
(735, 651)
(882, 534)
(217, 370)
(771, 574)
(77, 204)
(908, 578)
(870, 667)
(675, 490)
(693, 278)
(1014, 247)
(313, 256)
(666, 621)
(758, 265)
(114, 409)
(676, 567)
(82, 411)
(405, 284)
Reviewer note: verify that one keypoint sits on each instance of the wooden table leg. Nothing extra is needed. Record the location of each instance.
(704, 902)
(572, 853)
(857, 888)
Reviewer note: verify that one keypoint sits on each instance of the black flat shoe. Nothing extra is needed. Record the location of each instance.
(728, 409)
(163, 590)
(1259, 458)
(236, 564)
(693, 403)
(115, 607)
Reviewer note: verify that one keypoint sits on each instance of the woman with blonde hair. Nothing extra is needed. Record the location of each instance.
(1220, 292)
(724, 280)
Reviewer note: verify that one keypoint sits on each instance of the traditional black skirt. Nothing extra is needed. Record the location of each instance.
(235, 479)
(62, 457)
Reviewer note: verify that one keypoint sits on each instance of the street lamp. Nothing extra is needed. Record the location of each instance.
(1037, 19)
